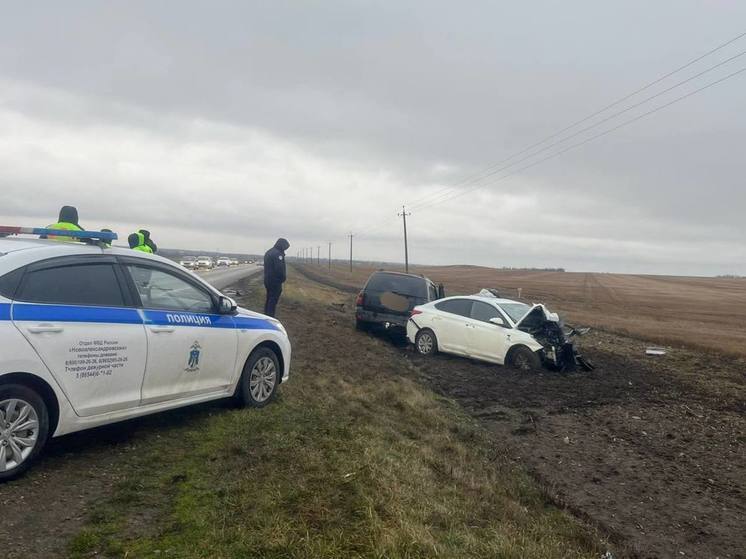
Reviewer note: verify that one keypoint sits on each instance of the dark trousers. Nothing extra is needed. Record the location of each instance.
(273, 296)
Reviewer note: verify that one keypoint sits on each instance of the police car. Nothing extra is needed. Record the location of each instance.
(91, 335)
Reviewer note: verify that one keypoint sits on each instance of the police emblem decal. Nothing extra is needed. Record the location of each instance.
(193, 360)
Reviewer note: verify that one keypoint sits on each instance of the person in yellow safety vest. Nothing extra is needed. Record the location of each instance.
(67, 221)
(148, 240)
(137, 242)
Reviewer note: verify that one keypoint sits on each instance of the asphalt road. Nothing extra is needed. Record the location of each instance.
(220, 278)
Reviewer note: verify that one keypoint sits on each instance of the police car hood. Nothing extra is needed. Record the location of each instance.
(246, 313)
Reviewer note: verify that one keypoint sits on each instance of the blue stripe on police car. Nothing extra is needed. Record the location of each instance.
(71, 313)
(30, 312)
(199, 320)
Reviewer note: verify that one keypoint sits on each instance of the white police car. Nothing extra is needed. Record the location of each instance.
(91, 335)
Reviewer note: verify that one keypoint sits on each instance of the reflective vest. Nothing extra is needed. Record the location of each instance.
(142, 247)
(65, 226)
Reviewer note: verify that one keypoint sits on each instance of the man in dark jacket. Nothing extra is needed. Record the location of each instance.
(274, 274)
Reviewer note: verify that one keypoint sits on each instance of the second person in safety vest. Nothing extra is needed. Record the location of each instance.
(137, 242)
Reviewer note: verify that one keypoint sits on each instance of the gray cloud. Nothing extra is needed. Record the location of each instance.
(312, 119)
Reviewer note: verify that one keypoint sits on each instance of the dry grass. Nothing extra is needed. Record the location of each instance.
(705, 313)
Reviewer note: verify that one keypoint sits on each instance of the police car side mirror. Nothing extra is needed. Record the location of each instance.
(497, 320)
(226, 305)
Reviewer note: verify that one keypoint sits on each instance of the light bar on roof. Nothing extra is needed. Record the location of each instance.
(43, 231)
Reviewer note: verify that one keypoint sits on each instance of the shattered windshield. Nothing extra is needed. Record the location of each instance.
(515, 311)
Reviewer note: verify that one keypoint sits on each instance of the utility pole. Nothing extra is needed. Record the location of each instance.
(351, 235)
(318, 256)
(330, 256)
(404, 215)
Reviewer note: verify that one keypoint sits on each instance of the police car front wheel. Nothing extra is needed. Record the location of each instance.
(24, 426)
(260, 379)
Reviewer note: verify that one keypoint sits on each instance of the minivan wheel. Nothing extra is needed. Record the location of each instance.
(523, 359)
(260, 379)
(426, 343)
(24, 428)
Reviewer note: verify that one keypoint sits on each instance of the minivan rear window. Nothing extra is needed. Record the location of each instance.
(409, 286)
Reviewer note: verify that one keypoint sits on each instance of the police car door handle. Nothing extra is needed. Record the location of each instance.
(43, 328)
(162, 329)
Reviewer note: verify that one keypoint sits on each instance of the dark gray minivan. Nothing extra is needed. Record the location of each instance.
(388, 298)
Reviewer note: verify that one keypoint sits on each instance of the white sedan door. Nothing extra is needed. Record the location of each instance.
(486, 340)
(450, 324)
(191, 349)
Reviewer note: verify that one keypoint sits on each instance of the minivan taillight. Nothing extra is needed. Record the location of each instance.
(360, 299)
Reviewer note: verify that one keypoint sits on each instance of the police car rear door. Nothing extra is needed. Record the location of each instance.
(191, 349)
(79, 316)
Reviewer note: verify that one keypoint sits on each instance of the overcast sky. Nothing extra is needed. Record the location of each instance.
(223, 125)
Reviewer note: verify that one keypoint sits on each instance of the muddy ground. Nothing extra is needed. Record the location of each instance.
(649, 451)
(657, 466)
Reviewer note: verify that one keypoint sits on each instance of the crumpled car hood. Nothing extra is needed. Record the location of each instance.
(542, 311)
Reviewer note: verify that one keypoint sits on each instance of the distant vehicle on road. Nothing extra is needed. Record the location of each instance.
(92, 335)
(389, 297)
(205, 262)
(188, 262)
(234, 262)
(223, 261)
(493, 329)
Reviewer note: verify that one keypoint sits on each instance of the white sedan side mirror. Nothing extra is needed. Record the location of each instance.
(497, 320)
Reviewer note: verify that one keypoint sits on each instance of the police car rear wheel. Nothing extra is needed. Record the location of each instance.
(24, 426)
(259, 379)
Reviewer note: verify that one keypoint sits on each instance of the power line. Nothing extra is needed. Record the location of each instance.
(602, 121)
(591, 138)
(448, 193)
(476, 176)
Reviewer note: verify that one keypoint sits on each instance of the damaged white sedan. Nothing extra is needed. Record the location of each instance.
(497, 330)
